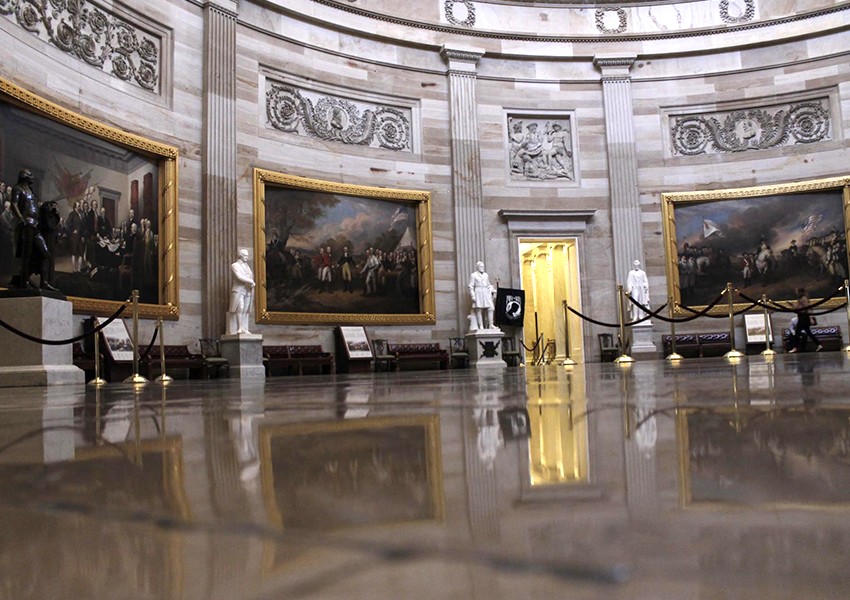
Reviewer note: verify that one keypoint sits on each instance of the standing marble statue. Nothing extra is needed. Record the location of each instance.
(637, 286)
(482, 294)
(241, 294)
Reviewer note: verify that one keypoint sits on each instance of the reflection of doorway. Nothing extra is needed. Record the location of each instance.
(550, 276)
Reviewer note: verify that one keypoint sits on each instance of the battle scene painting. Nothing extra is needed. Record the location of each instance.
(767, 244)
(342, 257)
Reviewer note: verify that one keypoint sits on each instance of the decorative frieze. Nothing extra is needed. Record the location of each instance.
(540, 147)
(93, 34)
(611, 20)
(751, 129)
(737, 11)
(460, 12)
(336, 119)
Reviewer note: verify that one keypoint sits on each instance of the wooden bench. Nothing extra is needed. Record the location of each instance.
(698, 345)
(829, 337)
(177, 359)
(294, 359)
(416, 355)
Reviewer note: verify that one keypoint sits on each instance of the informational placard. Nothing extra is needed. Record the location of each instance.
(356, 342)
(118, 340)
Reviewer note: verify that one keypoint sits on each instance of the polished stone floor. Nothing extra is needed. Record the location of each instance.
(708, 480)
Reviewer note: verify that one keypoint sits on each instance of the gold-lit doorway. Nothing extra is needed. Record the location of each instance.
(550, 276)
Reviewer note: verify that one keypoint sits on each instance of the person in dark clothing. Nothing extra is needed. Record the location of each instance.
(35, 224)
(804, 321)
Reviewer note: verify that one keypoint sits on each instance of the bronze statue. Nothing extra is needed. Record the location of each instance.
(36, 230)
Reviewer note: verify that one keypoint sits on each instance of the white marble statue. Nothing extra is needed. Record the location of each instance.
(241, 294)
(637, 286)
(482, 294)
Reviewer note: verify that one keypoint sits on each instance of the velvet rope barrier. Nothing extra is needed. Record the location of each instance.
(148, 349)
(31, 338)
(780, 308)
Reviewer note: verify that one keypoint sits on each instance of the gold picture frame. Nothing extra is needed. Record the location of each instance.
(764, 240)
(75, 160)
(297, 218)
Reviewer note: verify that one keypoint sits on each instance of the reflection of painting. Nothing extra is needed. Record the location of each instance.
(111, 191)
(338, 253)
(768, 240)
(753, 456)
(118, 341)
(128, 479)
(355, 472)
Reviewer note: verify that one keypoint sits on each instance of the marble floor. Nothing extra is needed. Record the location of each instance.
(708, 480)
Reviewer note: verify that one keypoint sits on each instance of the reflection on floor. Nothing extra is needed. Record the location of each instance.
(705, 480)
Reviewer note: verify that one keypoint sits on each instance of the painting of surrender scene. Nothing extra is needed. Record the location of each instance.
(339, 253)
(763, 240)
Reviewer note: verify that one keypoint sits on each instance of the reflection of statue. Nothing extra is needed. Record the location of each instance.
(36, 229)
(241, 294)
(482, 299)
(637, 286)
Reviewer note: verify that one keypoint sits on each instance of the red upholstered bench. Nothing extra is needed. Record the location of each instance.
(177, 358)
(294, 359)
(417, 355)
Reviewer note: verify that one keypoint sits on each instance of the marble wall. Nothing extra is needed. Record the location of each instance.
(378, 62)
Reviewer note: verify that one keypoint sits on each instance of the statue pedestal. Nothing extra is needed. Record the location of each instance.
(26, 363)
(485, 348)
(642, 346)
(244, 352)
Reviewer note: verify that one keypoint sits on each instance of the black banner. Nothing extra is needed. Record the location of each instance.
(510, 307)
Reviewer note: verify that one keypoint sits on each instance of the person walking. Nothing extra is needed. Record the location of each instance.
(804, 322)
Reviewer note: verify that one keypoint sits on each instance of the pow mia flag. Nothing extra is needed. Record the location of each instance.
(510, 307)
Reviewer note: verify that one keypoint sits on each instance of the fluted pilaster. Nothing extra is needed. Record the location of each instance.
(466, 168)
(622, 161)
(219, 162)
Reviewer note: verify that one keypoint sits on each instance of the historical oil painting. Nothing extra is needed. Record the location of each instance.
(794, 455)
(114, 195)
(322, 476)
(338, 253)
(766, 240)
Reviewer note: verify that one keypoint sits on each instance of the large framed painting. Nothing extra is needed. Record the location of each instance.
(344, 254)
(767, 240)
(760, 456)
(370, 471)
(115, 194)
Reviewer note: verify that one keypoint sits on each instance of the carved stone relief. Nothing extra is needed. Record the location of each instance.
(335, 119)
(460, 12)
(92, 34)
(541, 148)
(737, 11)
(751, 129)
(605, 18)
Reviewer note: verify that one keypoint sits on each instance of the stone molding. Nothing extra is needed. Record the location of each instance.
(731, 27)
(449, 10)
(337, 119)
(755, 128)
(96, 35)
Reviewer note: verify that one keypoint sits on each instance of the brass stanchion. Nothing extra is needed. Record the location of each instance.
(98, 380)
(135, 378)
(768, 330)
(568, 362)
(847, 299)
(673, 356)
(163, 378)
(623, 358)
(733, 353)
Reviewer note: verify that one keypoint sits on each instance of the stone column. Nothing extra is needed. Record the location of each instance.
(466, 170)
(219, 161)
(623, 175)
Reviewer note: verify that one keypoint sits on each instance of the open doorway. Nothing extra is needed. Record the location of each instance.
(550, 277)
